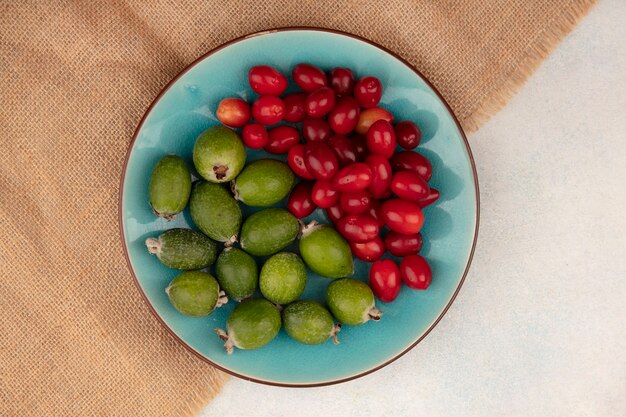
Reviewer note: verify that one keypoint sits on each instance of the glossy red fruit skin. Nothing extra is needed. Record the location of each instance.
(409, 185)
(355, 203)
(360, 143)
(412, 161)
(342, 81)
(403, 245)
(300, 203)
(403, 216)
(266, 80)
(335, 212)
(385, 280)
(309, 77)
(369, 116)
(368, 91)
(315, 130)
(268, 110)
(344, 149)
(375, 210)
(324, 195)
(320, 160)
(358, 228)
(431, 198)
(344, 116)
(320, 102)
(352, 178)
(381, 175)
(415, 272)
(369, 251)
(295, 160)
(233, 112)
(408, 135)
(281, 139)
(254, 136)
(381, 139)
(294, 107)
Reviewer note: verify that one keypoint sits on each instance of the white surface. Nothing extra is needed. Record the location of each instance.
(539, 326)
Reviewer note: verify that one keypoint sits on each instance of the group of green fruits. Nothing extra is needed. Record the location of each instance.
(219, 156)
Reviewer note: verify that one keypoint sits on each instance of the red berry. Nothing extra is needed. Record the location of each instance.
(412, 161)
(408, 135)
(368, 116)
(335, 212)
(409, 185)
(381, 175)
(430, 198)
(281, 139)
(315, 130)
(403, 216)
(320, 102)
(233, 112)
(358, 228)
(403, 245)
(344, 149)
(268, 110)
(416, 272)
(381, 139)
(368, 251)
(344, 117)
(356, 202)
(368, 91)
(352, 178)
(295, 160)
(375, 210)
(266, 80)
(294, 107)
(300, 203)
(360, 143)
(254, 136)
(323, 194)
(320, 160)
(342, 81)
(385, 280)
(309, 77)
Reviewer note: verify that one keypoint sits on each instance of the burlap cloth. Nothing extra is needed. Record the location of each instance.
(75, 336)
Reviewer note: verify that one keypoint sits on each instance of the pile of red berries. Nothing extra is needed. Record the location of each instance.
(348, 163)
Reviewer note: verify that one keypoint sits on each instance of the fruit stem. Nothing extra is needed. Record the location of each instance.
(306, 229)
(233, 188)
(333, 333)
(375, 314)
(221, 299)
(230, 241)
(228, 344)
(154, 245)
(220, 171)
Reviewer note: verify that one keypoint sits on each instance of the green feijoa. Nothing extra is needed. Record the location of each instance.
(326, 252)
(252, 324)
(237, 273)
(263, 183)
(195, 293)
(268, 231)
(309, 323)
(170, 185)
(183, 249)
(283, 277)
(219, 154)
(351, 302)
(216, 213)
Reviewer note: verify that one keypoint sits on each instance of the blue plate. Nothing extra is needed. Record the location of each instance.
(186, 107)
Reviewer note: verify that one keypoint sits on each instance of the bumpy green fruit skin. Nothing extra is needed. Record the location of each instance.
(268, 231)
(263, 183)
(170, 185)
(326, 252)
(219, 154)
(283, 278)
(183, 249)
(308, 322)
(351, 301)
(194, 293)
(253, 323)
(216, 213)
(237, 273)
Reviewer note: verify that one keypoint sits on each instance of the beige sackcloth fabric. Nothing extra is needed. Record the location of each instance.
(76, 338)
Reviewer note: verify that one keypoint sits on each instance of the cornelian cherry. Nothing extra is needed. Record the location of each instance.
(344, 117)
(358, 228)
(356, 202)
(430, 198)
(233, 112)
(335, 212)
(403, 245)
(403, 216)
(309, 77)
(381, 175)
(320, 102)
(294, 107)
(416, 272)
(281, 139)
(408, 134)
(342, 81)
(385, 280)
(254, 136)
(368, 91)
(300, 203)
(268, 110)
(295, 160)
(352, 178)
(412, 161)
(409, 185)
(324, 195)
(368, 251)
(344, 149)
(320, 160)
(381, 139)
(367, 118)
(315, 130)
(266, 80)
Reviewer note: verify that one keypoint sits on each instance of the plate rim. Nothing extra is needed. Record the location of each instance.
(166, 88)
